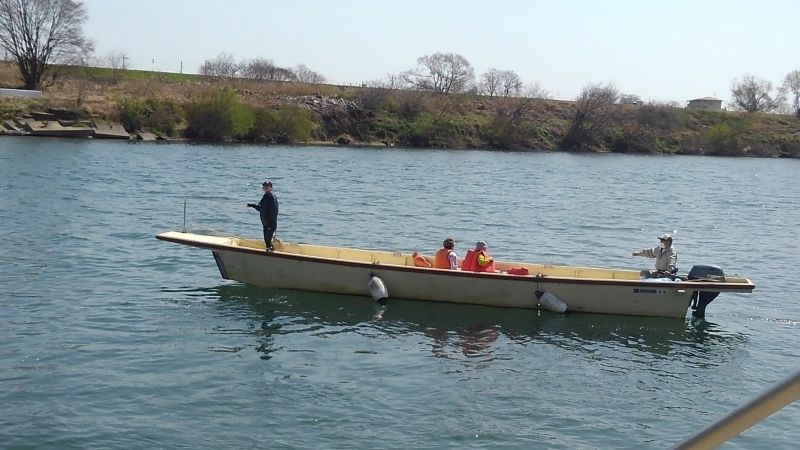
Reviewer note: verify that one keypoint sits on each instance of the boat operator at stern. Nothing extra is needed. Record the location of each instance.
(665, 255)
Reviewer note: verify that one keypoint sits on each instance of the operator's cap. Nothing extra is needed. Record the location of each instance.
(267, 183)
(481, 245)
(665, 237)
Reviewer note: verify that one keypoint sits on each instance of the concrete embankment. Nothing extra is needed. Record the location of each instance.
(56, 122)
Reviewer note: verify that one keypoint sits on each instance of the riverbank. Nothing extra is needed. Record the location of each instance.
(196, 108)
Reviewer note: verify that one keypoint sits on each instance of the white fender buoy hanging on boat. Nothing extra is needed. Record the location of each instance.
(377, 289)
(550, 302)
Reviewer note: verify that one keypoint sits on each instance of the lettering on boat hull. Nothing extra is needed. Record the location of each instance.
(649, 291)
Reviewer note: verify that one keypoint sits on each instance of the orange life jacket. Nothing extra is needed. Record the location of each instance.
(420, 261)
(469, 262)
(488, 267)
(442, 258)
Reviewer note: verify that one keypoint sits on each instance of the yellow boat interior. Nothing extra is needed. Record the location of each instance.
(406, 259)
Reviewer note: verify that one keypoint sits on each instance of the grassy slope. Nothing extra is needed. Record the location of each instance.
(352, 115)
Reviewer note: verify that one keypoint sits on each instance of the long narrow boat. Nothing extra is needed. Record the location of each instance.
(351, 271)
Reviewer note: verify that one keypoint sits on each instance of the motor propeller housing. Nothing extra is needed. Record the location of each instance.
(701, 299)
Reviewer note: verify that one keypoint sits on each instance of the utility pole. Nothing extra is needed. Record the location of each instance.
(181, 66)
(124, 58)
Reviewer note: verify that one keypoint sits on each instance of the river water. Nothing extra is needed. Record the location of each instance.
(112, 339)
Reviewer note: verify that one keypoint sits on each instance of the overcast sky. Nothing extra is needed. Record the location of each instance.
(665, 50)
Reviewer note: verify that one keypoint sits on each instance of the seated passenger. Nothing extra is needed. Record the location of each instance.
(446, 257)
(478, 259)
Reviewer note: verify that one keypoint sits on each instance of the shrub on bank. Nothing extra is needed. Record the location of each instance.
(286, 125)
(633, 137)
(661, 117)
(9, 109)
(219, 117)
(130, 114)
(724, 139)
(442, 131)
(421, 131)
(504, 134)
(161, 116)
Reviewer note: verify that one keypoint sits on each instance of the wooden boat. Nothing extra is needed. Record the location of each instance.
(351, 271)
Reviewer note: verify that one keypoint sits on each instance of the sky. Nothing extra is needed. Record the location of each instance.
(666, 50)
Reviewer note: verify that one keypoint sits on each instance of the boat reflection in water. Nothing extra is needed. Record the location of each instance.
(466, 331)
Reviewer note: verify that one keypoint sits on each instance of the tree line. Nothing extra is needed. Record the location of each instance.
(258, 69)
(40, 35)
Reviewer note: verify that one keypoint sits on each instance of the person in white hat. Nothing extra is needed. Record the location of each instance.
(665, 255)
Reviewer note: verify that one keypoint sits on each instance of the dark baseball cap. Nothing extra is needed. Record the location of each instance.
(267, 183)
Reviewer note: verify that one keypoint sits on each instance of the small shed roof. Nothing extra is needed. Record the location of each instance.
(706, 99)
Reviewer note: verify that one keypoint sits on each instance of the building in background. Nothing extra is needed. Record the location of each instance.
(705, 103)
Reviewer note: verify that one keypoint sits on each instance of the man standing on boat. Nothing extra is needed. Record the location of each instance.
(268, 207)
(665, 255)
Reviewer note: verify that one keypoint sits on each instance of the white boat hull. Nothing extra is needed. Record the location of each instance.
(241, 260)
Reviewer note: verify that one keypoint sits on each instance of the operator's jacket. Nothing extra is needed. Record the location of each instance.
(666, 258)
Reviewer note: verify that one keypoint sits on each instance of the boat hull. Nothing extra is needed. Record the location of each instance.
(499, 290)
(339, 270)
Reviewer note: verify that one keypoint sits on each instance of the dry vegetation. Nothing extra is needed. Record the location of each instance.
(354, 115)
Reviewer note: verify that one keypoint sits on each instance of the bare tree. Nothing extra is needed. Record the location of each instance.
(90, 66)
(500, 83)
(259, 69)
(592, 116)
(511, 84)
(792, 84)
(752, 94)
(284, 74)
(534, 90)
(39, 33)
(490, 83)
(306, 75)
(441, 73)
(115, 61)
(223, 66)
(390, 82)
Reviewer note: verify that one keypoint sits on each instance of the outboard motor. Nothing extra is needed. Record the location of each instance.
(701, 299)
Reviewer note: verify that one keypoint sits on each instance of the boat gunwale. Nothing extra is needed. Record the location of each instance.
(693, 285)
